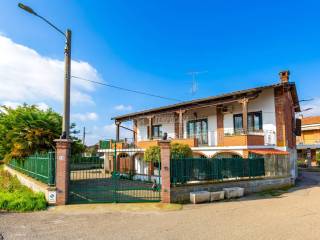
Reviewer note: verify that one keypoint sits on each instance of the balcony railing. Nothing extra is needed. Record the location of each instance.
(228, 137)
(191, 142)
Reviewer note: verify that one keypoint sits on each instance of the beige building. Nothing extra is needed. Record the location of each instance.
(308, 144)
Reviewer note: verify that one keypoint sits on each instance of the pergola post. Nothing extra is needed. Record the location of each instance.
(150, 118)
(244, 103)
(181, 112)
(117, 131)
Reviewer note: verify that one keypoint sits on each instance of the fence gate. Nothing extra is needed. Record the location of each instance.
(120, 176)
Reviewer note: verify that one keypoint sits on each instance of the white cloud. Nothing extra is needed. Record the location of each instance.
(13, 105)
(89, 116)
(26, 76)
(41, 105)
(314, 104)
(122, 107)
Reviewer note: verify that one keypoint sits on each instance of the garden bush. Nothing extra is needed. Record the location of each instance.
(318, 158)
(16, 197)
(152, 154)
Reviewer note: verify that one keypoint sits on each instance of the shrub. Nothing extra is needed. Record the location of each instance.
(16, 197)
(301, 163)
(180, 150)
(152, 154)
(318, 157)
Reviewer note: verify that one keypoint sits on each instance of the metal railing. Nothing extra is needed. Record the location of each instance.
(186, 170)
(38, 166)
(211, 138)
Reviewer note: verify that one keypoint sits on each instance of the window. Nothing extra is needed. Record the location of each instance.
(254, 122)
(156, 131)
(198, 129)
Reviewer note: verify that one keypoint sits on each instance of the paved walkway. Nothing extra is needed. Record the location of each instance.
(293, 215)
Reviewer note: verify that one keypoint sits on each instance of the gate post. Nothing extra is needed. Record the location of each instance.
(165, 171)
(63, 147)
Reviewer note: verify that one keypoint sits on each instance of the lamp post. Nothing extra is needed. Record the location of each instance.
(67, 68)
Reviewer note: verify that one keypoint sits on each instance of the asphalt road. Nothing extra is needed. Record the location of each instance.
(293, 215)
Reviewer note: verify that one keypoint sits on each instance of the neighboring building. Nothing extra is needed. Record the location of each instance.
(308, 144)
(257, 121)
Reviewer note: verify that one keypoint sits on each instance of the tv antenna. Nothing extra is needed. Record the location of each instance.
(194, 86)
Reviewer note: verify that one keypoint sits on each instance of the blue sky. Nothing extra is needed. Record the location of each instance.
(151, 45)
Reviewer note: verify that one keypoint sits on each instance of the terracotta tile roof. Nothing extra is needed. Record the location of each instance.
(310, 120)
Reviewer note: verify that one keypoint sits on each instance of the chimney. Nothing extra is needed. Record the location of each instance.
(284, 76)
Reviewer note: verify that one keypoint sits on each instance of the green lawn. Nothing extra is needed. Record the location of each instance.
(16, 197)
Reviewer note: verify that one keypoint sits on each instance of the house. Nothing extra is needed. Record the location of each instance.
(308, 144)
(257, 121)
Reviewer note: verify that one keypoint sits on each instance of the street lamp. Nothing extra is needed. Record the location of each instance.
(67, 69)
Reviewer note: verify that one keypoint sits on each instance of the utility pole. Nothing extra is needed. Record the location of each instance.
(84, 136)
(67, 69)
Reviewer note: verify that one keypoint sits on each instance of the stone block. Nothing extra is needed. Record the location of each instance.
(199, 197)
(234, 192)
(216, 196)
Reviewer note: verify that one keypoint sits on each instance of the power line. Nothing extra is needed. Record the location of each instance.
(127, 89)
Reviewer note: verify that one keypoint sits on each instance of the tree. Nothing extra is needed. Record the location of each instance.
(180, 150)
(26, 130)
(152, 154)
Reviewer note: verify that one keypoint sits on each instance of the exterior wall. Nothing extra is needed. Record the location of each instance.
(212, 129)
(264, 102)
(284, 118)
(141, 167)
(142, 131)
(309, 137)
(181, 194)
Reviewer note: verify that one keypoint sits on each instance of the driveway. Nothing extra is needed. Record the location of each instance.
(293, 215)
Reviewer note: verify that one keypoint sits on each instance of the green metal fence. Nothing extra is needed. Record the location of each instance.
(184, 170)
(79, 162)
(38, 166)
(105, 144)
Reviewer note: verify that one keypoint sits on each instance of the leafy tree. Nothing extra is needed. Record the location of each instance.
(152, 154)
(27, 129)
(180, 150)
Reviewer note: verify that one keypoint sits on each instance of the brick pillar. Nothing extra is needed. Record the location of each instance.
(63, 147)
(165, 171)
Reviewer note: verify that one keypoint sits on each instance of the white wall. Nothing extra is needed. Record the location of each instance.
(212, 130)
(265, 103)
(169, 129)
(142, 131)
